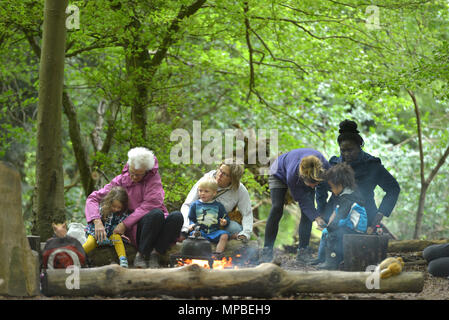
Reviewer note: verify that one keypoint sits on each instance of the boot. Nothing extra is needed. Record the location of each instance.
(304, 255)
(332, 261)
(266, 255)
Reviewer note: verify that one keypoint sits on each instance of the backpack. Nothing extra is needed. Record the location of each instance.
(60, 253)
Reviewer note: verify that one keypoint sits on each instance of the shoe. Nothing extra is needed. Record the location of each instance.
(123, 262)
(304, 255)
(139, 261)
(316, 261)
(153, 262)
(266, 255)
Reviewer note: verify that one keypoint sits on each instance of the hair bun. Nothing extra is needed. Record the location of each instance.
(348, 126)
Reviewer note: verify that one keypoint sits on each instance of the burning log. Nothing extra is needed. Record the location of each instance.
(266, 280)
(107, 255)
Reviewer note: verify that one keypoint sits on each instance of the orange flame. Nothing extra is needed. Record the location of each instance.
(224, 263)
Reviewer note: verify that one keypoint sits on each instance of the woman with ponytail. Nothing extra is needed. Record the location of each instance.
(369, 173)
(298, 171)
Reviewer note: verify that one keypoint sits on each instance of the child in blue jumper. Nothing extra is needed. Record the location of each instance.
(349, 216)
(209, 214)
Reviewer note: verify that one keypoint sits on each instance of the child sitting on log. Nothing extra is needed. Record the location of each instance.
(113, 210)
(349, 216)
(210, 215)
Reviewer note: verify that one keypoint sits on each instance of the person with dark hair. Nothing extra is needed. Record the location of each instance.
(437, 255)
(349, 216)
(298, 171)
(369, 173)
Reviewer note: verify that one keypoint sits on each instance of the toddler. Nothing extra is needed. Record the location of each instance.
(209, 214)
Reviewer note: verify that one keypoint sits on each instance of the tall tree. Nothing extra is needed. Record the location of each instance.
(49, 204)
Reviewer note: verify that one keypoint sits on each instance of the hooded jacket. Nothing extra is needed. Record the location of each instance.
(369, 173)
(143, 196)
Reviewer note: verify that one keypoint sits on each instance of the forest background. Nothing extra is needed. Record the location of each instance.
(136, 71)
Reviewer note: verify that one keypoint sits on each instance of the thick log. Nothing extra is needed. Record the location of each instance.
(266, 280)
(412, 245)
(362, 250)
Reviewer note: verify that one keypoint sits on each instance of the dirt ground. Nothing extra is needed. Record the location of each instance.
(434, 288)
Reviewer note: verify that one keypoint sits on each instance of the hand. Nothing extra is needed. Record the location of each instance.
(223, 222)
(100, 233)
(370, 230)
(320, 222)
(120, 228)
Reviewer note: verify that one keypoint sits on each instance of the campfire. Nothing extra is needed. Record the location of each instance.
(224, 263)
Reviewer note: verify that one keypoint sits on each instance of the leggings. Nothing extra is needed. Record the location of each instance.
(437, 256)
(276, 212)
(116, 239)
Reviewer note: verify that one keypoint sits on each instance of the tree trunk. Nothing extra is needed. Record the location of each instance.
(49, 206)
(78, 146)
(266, 280)
(424, 182)
(19, 266)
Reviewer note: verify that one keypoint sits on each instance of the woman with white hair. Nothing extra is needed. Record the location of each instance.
(150, 228)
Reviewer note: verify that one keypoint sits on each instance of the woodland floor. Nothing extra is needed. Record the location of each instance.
(435, 288)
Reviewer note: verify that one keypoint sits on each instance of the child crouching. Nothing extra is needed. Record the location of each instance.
(349, 216)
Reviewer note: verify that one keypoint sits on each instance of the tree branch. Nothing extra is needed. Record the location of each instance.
(250, 50)
(418, 122)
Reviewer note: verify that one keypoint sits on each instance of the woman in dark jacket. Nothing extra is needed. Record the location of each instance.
(369, 173)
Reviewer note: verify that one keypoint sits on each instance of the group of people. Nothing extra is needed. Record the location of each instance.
(132, 206)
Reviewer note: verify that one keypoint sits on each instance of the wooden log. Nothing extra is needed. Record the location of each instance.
(362, 250)
(412, 245)
(266, 280)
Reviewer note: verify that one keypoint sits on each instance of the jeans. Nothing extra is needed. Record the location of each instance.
(233, 227)
(437, 256)
(276, 212)
(154, 231)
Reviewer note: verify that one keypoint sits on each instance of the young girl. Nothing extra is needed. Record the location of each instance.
(210, 215)
(349, 215)
(113, 210)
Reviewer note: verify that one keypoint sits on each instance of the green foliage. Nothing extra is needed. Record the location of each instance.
(311, 65)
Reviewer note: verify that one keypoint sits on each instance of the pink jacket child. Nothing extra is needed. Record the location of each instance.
(144, 196)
